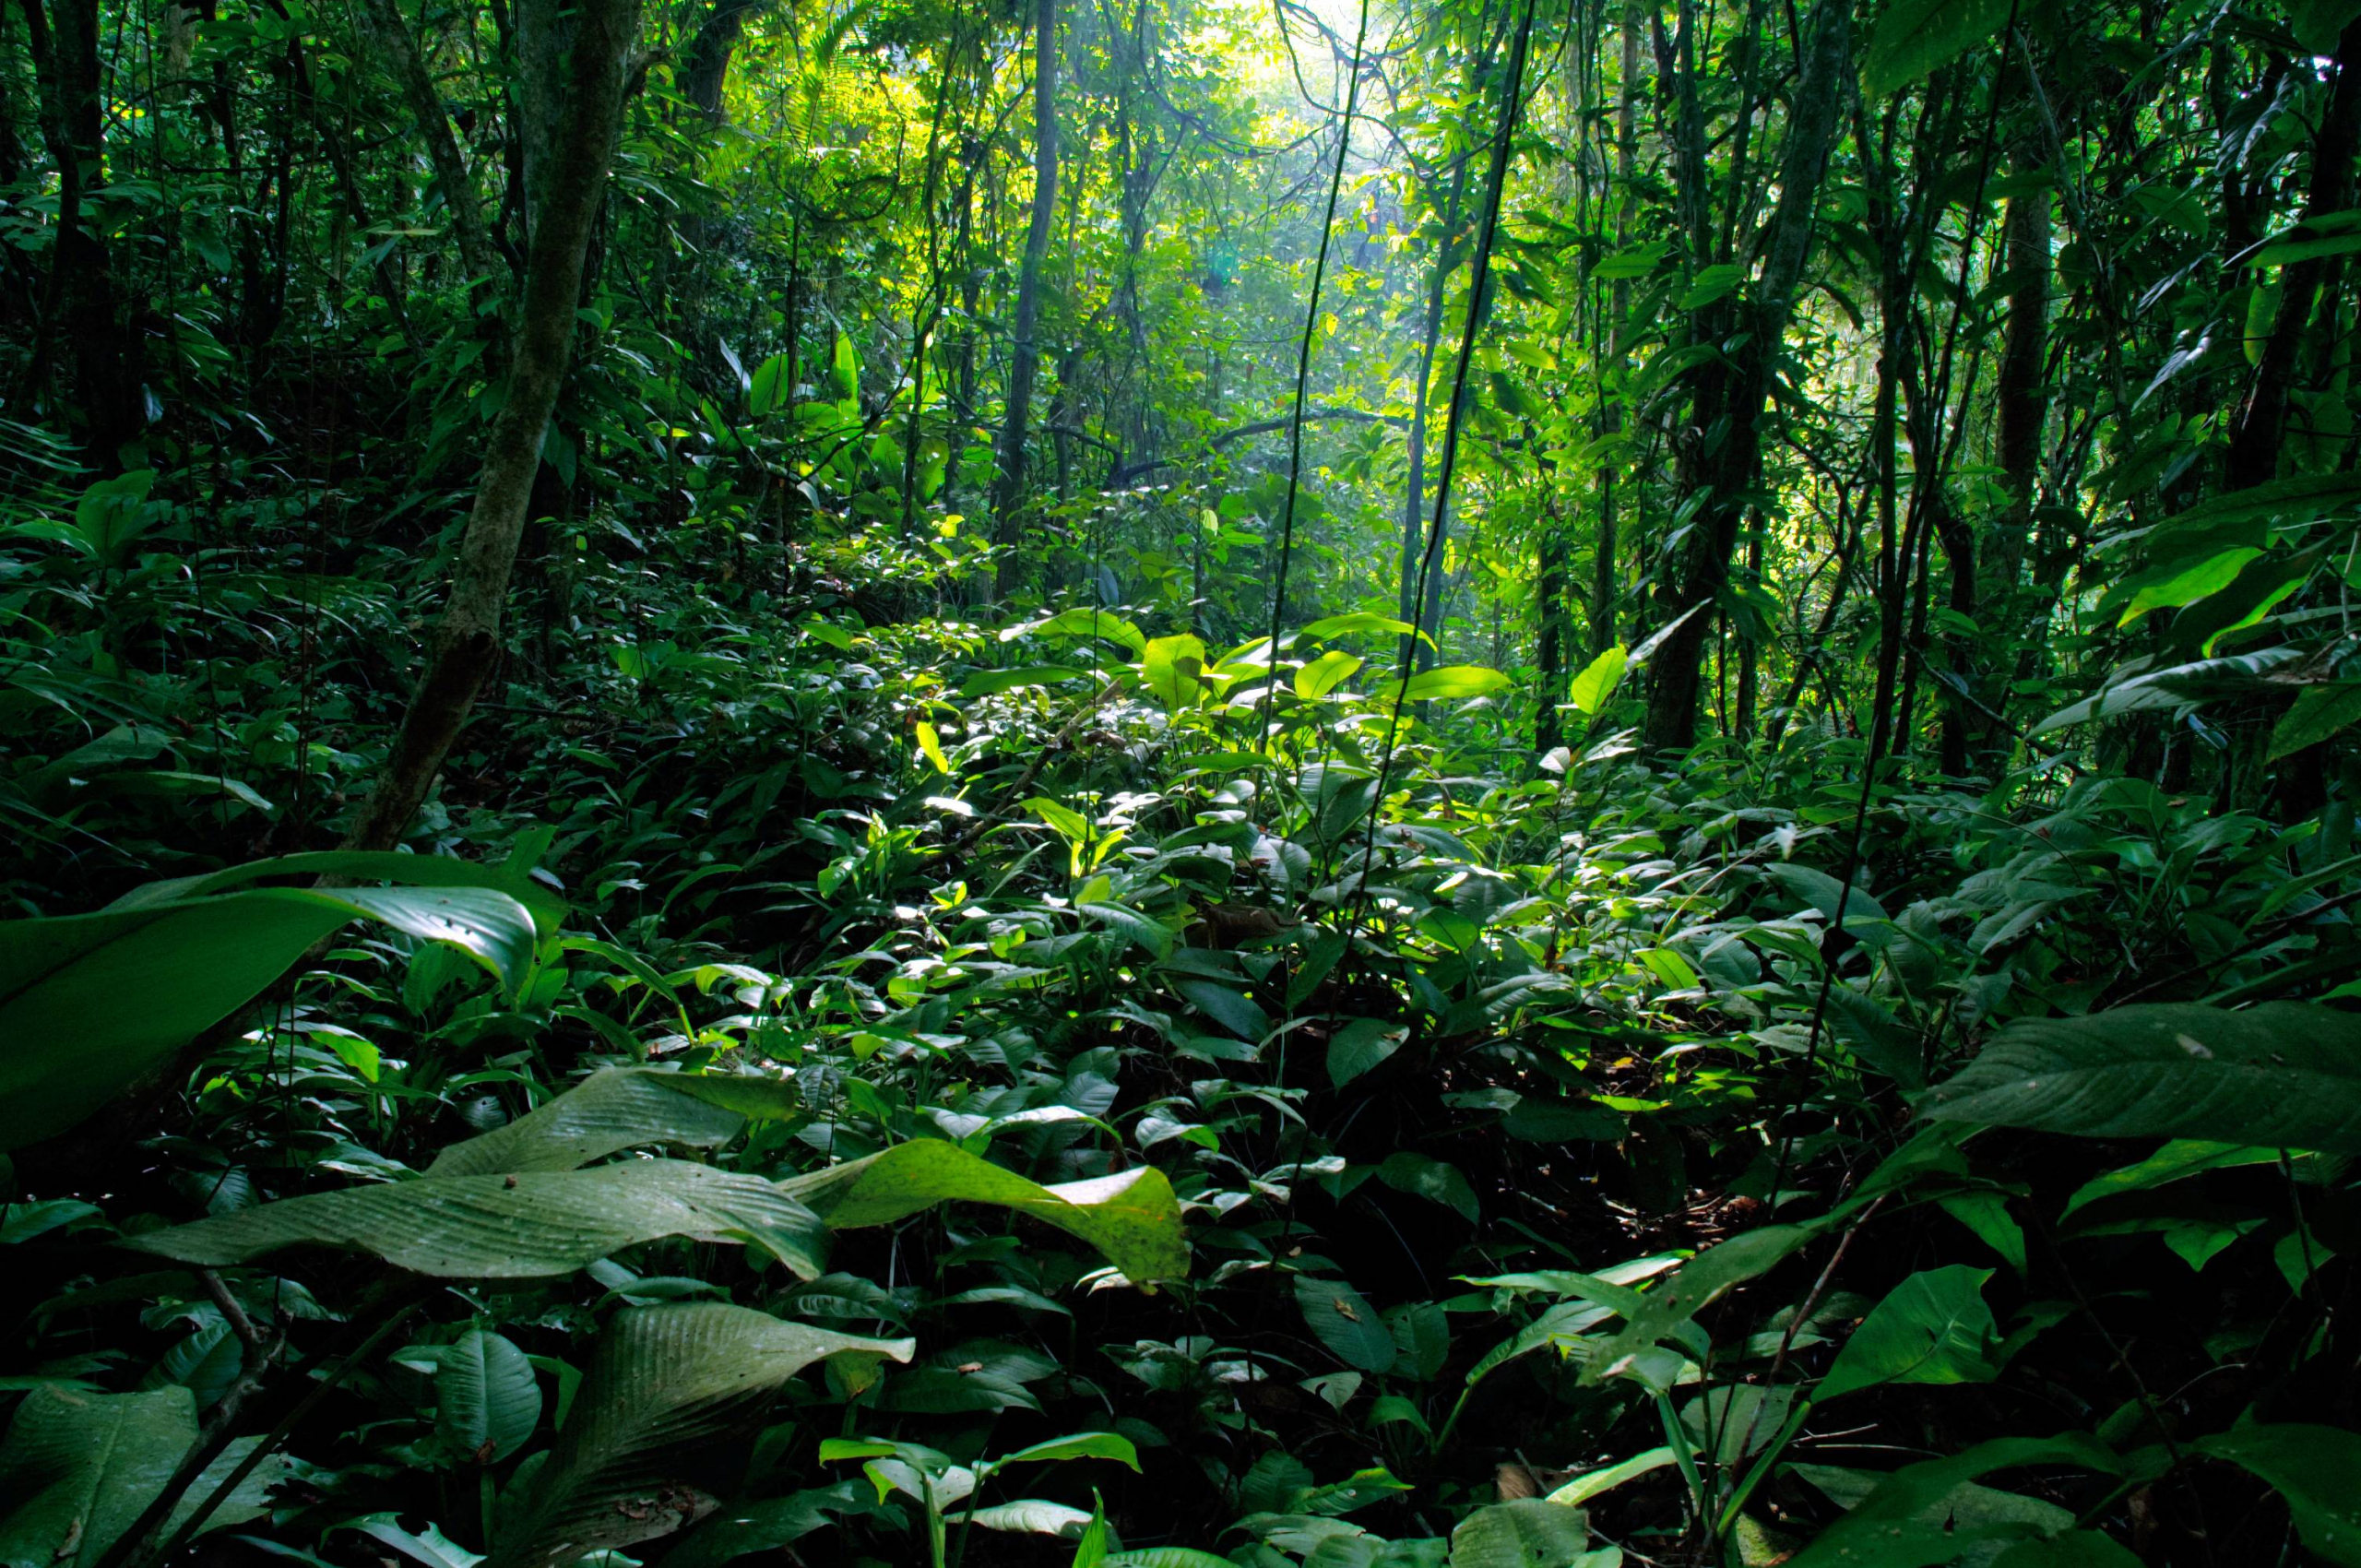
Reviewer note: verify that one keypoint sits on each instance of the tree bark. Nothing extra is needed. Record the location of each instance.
(80, 308)
(1024, 365)
(587, 101)
(2262, 421)
(391, 34)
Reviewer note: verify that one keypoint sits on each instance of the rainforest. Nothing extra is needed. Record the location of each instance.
(1180, 783)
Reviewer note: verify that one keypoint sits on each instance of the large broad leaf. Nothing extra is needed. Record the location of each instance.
(1132, 1216)
(663, 1380)
(1933, 1327)
(1598, 679)
(90, 1003)
(1527, 1533)
(515, 1227)
(2316, 1469)
(76, 1470)
(2287, 1074)
(1915, 1518)
(1914, 37)
(1447, 681)
(1171, 666)
(1341, 1319)
(619, 1107)
(486, 1400)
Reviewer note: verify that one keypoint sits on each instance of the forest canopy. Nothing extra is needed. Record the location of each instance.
(1180, 784)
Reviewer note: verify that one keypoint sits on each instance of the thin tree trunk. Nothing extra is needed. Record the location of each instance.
(1611, 410)
(1730, 399)
(1024, 363)
(466, 645)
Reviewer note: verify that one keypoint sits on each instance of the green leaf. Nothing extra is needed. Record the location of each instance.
(1233, 1010)
(988, 683)
(1167, 1557)
(1345, 1323)
(619, 1107)
(1711, 283)
(1914, 37)
(1406, 1171)
(1356, 621)
(486, 1401)
(76, 1470)
(1171, 666)
(2320, 712)
(190, 962)
(2286, 1074)
(931, 747)
(1933, 1327)
(1598, 679)
(1589, 1484)
(1447, 681)
(514, 1226)
(1325, 673)
(1667, 1311)
(768, 1524)
(1088, 624)
(663, 1382)
(2176, 1161)
(1131, 1217)
(1360, 1045)
(1080, 1445)
(768, 391)
(1912, 1519)
(1528, 1533)
(2314, 1468)
(2186, 583)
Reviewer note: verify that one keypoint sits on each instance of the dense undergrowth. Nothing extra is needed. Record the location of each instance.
(1499, 1131)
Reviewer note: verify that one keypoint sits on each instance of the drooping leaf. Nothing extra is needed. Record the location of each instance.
(191, 962)
(1033, 1515)
(1933, 1327)
(513, 1227)
(664, 1380)
(1669, 1311)
(2286, 1074)
(1131, 1217)
(619, 1107)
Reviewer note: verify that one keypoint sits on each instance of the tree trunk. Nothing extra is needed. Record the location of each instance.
(2262, 421)
(1619, 298)
(1025, 364)
(588, 101)
(1414, 496)
(80, 308)
(1722, 459)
